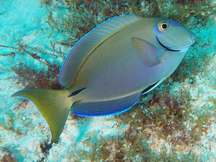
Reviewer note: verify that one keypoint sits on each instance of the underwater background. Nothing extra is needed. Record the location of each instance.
(174, 122)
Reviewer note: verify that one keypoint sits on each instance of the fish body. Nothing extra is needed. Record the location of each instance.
(110, 67)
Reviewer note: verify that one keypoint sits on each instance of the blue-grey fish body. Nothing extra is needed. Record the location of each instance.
(111, 66)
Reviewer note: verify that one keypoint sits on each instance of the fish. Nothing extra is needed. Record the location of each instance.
(110, 67)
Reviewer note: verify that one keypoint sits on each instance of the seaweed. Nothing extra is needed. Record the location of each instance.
(11, 154)
(44, 78)
(8, 158)
(169, 118)
(15, 122)
(34, 52)
(45, 147)
(81, 16)
(39, 79)
(41, 160)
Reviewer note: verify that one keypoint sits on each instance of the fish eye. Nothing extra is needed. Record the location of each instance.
(163, 26)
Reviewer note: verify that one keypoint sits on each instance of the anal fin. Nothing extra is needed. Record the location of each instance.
(105, 107)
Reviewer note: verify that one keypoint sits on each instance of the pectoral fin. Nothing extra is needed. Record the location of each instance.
(148, 53)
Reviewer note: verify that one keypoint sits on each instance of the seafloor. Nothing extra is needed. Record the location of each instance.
(175, 122)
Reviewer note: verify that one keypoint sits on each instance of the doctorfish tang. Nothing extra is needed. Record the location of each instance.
(110, 67)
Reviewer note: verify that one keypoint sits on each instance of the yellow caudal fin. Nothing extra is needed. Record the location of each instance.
(54, 105)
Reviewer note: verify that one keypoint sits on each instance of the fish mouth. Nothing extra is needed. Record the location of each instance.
(167, 48)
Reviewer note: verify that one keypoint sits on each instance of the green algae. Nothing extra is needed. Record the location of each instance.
(16, 123)
(39, 79)
(11, 154)
(165, 118)
(9, 158)
(81, 16)
(45, 77)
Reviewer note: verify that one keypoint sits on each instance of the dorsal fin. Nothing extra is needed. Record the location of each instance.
(83, 48)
